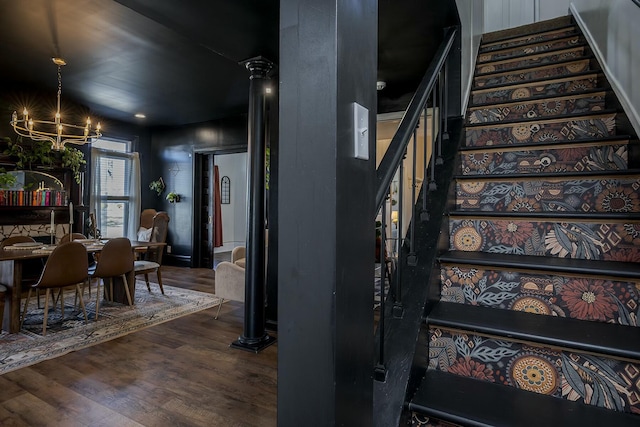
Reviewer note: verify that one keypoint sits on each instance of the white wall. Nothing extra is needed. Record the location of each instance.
(234, 215)
(612, 29)
(501, 14)
(471, 14)
(550, 9)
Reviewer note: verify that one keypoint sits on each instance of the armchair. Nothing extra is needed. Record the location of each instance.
(229, 279)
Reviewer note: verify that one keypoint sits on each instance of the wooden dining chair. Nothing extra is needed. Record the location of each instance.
(152, 261)
(74, 236)
(146, 218)
(116, 260)
(66, 266)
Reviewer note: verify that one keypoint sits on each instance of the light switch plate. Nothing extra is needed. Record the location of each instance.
(360, 131)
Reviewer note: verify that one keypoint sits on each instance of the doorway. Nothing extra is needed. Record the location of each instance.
(220, 208)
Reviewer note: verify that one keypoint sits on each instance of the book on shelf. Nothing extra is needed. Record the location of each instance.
(32, 198)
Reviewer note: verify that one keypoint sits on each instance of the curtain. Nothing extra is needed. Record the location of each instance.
(135, 204)
(96, 186)
(217, 209)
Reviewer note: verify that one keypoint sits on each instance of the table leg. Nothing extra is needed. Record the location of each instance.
(11, 275)
(119, 294)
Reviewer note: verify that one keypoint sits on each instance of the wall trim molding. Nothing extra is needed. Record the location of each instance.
(632, 113)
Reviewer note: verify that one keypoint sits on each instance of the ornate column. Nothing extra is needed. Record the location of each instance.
(254, 336)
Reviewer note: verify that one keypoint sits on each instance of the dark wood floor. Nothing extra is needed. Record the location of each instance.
(179, 373)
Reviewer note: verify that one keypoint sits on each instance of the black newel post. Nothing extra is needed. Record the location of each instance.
(254, 337)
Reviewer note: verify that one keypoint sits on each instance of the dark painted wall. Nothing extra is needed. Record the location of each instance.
(328, 56)
(170, 155)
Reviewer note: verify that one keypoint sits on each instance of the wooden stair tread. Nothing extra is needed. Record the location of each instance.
(547, 119)
(563, 216)
(608, 140)
(607, 339)
(533, 99)
(518, 33)
(571, 175)
(528, 69)
(528, 55)
(567, 37)
(472, 402)
(623, 270)
(538, 82)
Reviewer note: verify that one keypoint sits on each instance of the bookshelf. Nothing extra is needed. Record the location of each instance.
(35, 194)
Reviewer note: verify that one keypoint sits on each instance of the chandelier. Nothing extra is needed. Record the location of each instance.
(55, 132)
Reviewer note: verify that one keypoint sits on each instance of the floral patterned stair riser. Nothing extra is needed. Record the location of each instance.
(541, 131)
(545, 72)
(561, 158)
(540, 108)
(594, 380)
(528, 40)
(612, 195)
(583, 298)
(548, 89)
(528, 49)
(543, 58)
(595, 240)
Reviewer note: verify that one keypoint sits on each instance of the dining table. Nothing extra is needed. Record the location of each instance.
(12, 261)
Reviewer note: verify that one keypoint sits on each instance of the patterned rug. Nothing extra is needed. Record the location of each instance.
(115, 320)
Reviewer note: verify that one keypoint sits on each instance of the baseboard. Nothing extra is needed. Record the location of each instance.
(177, 260)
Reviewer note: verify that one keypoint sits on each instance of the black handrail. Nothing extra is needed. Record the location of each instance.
(395, 152)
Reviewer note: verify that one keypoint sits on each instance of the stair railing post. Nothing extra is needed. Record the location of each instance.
(439, 159)
(399, 234)
(380, 371)
(432, 179)
(424, 214)
(445, 103)
(412, 259)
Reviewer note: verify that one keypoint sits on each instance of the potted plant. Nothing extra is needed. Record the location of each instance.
(38, 154)
(157, 186)
(73, 159)
(31, 153)
(7, 180)
(173, 197)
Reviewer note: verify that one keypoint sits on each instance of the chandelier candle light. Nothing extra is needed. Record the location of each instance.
(53, 131)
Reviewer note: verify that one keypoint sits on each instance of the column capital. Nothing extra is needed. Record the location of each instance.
(258, 66)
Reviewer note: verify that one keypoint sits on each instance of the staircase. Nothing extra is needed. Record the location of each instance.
(537, 318)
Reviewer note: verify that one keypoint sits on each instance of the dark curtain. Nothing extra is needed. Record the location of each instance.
(217, 220)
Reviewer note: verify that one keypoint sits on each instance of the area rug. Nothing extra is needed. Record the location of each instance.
(115, 320)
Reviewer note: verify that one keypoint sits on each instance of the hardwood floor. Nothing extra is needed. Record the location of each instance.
(179, 373)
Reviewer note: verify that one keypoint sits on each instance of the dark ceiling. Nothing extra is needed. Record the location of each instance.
(177, 61)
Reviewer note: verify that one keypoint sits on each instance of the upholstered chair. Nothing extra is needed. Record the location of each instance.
(229, 283)
(152, 261)
(229, 280)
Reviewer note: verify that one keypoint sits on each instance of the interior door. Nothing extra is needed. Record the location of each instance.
(203, 208)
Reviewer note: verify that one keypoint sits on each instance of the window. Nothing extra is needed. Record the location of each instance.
(115, 187)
